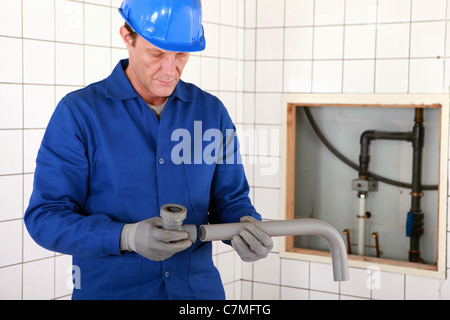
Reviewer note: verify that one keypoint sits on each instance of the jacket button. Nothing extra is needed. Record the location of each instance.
(161, 160)
(167, 274)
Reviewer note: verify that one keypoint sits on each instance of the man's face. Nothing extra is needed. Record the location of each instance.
(154, 72)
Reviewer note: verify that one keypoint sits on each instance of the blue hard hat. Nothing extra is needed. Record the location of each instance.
(172, 25)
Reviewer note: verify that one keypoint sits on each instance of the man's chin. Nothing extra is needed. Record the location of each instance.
(164, 92)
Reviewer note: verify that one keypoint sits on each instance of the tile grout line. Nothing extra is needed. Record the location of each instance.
(23, 149)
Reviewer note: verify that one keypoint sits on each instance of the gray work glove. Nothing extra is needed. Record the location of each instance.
(149, 239)
(252, 243)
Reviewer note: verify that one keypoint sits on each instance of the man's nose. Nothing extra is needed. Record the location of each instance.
(169, 65)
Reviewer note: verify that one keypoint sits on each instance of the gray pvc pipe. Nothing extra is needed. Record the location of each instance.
(173, 216)
(215, 232)
(192, 230)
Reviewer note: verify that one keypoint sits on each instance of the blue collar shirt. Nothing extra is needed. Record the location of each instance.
(106, 160)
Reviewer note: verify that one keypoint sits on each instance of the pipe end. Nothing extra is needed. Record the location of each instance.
(202, 233)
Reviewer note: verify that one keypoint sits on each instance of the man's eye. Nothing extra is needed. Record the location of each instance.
(155, 54)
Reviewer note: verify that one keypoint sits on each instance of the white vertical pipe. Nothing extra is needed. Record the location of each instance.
(361, 225)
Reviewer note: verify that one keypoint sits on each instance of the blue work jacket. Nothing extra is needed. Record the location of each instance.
(105, 161)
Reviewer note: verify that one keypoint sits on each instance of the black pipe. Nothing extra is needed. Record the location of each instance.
(415, 220)
(416, 214)
(415, 223)
(353, 165)
(370, 135)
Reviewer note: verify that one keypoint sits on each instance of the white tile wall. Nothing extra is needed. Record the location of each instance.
(256, 50)
(393, 40)
(51, 47)
(38, 105)
(11, 18)
(69, 64)
(391, 287)
(69, 21)
(360, 11)
(299, 13)
(38, 19)
(346, 46)
(392, 76)
(35, 69)
(422, 11)
(11, 145)
(358, 76)
(10, 99)
(394, 11)
(328, 42)
(11, 62)
(359, 42)
(328, 12)
(269, 13)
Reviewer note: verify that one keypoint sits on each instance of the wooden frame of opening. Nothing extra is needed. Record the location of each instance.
(290, 102)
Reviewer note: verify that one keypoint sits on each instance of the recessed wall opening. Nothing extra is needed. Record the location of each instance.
(375, 168)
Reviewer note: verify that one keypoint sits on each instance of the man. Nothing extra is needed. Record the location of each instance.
(105, 167)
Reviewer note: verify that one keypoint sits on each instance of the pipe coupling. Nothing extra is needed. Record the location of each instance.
(173, 216)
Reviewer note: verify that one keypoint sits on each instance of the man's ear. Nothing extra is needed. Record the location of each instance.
(126, 37)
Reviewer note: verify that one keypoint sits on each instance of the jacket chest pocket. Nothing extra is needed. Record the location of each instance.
(186, 184)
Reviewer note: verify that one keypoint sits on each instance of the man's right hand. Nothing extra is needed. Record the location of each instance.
(149, 239)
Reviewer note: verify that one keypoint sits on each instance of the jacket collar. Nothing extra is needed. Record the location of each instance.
(119, 87)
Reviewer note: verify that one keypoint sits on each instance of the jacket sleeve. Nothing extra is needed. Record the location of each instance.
(229, 199)
(55, 218)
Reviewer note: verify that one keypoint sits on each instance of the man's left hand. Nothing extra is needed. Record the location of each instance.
(252, 243)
